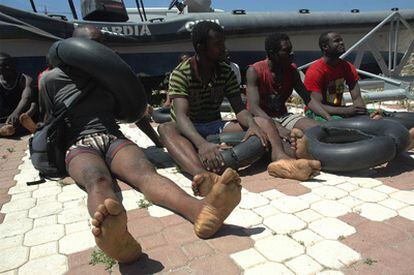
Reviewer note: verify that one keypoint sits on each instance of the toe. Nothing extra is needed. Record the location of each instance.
(315, 164)
(96, 222)
(102, 209)
(114, 208)
(96, 231)
(99, 217)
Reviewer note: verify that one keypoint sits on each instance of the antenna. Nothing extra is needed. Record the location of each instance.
(33, 6)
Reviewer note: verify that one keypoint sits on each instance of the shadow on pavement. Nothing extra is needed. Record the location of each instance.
(230, 229)
(158, 157)
(144, 265)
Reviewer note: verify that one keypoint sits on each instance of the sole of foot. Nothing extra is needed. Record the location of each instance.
(297, 169)
(27, 122)
(224, 196)
(111, 233)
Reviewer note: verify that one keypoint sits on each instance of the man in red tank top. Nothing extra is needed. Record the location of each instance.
(270, 82)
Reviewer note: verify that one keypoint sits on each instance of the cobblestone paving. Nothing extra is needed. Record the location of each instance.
(361, 223)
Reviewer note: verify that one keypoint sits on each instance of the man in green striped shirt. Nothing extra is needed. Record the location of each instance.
(197, 88)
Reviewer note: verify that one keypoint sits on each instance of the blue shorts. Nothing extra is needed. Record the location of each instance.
(210, 128)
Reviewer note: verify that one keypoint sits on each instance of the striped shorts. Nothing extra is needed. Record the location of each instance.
(102, 144)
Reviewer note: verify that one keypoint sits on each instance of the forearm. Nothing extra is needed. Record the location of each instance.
(337, 110)
(33, 109)
(23, 105)
(359, 102)
(318, 109)
(187, 129)
(257, 111)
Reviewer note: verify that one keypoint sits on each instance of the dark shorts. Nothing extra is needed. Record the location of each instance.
(102, 144)
(210, 128)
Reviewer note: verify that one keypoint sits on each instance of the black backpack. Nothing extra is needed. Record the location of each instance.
(47, 146)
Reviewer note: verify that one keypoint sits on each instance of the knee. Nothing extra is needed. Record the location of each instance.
(96, 179)
(166, 129)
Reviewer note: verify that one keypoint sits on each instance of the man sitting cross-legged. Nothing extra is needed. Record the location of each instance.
(98, 153)
(197, 88)
(326, 78)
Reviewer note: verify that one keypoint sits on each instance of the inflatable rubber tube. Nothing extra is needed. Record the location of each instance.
(161, 115)
(356, 143)
(108, 69)
(242, 154)
(225, 106)
(405, 118)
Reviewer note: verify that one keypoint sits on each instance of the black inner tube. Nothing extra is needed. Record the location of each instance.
(242, 153)
(356, 143)
(108, 69)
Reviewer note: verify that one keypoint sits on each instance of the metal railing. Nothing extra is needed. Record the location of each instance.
(394, 89)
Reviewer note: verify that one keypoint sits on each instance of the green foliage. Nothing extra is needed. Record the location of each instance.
(144, 203)
(99, 257)
(369, 261)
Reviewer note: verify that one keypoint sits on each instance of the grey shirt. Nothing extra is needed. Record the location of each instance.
(94, 113)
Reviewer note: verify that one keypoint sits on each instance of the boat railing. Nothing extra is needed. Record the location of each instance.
(393, 88)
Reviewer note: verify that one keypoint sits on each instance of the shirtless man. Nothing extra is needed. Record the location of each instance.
(17, 100)
(197, 88)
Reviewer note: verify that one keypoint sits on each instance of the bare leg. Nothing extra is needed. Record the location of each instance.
(305, 123)
(131, 166)
(109, 217)
(411, 146)
(180, 149)
(272, 133)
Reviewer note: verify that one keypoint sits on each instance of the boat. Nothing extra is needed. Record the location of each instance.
(151, 40)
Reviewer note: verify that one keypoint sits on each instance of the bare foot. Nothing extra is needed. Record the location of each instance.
(297, 169)
(299, 144)
(202, 183)
(7, 130)
(411, 146)
(224, 196)
(27, 122)
(111, 233)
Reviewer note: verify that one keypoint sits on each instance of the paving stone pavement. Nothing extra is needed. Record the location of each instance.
(360, 223)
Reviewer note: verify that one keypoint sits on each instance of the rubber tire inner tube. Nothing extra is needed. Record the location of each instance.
(242, 153)
(108, 69)
(405, 118)
(161, 115)
(356, 143)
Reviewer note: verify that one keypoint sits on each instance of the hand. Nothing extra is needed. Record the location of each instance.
(255, 130)
(13, 119)
(211, 157)
(357, 110)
